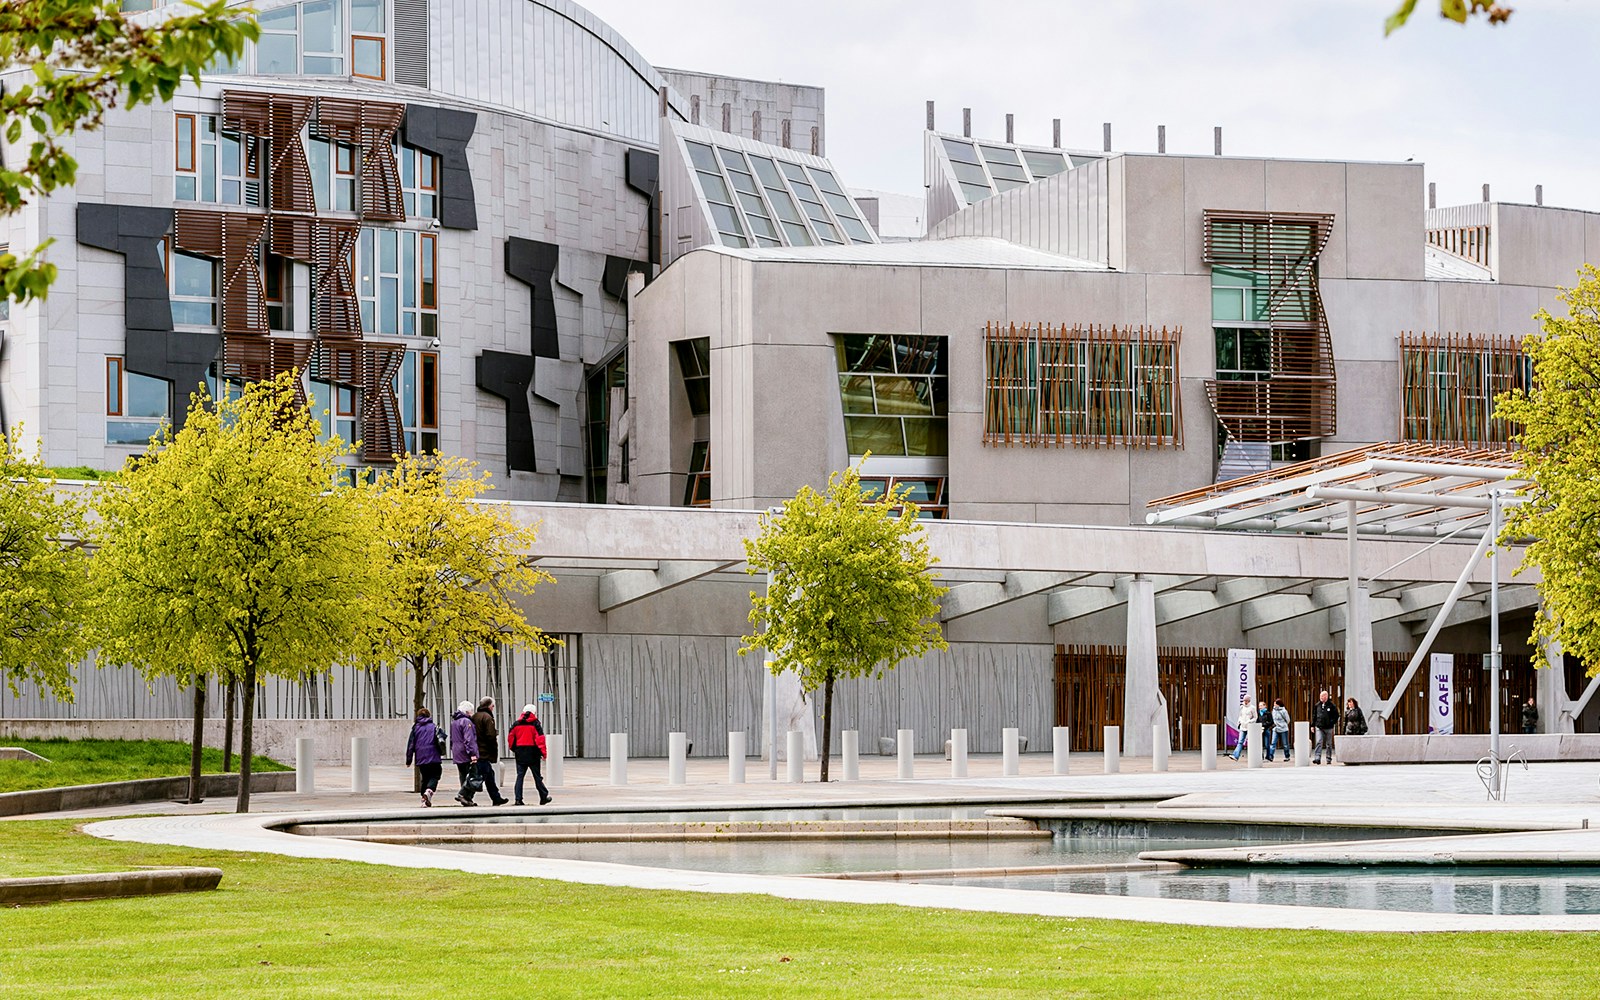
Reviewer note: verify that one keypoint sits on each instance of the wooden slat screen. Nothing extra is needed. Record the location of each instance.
(370, 125)
(370, 368)
(234, 238)
(1448, 383)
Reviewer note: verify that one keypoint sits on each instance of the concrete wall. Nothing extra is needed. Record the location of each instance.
(273, 738)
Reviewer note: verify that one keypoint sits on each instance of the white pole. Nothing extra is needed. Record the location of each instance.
(1061, 748)
(1158, 752)
(736, 758)
(305, 765)
(851, 740)
(1113, 749)
(555, 748)
(958, 753)
(1253, 747)
(772, 713)
(1208, 746)
(1302, 744)
(905, 747)
(619, 758)
(1494, 643)
(796, 756)
(1008, 753)
(677, 758)
(360, 772)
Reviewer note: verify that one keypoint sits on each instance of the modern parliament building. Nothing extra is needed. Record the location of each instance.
(492, 228)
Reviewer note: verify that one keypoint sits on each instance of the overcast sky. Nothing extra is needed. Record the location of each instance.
(1511, 106)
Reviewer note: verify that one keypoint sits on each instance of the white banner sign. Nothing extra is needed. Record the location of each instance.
(1241, 686)
(1441, 693)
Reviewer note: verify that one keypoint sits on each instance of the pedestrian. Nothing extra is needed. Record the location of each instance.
(526, 739)
(488, 749)
(1324, 717)
(1280, 729)
(1530, 717)
(1264, 719)
(1247, 715)
(425, 747)
(1355, 720)
(464, 750)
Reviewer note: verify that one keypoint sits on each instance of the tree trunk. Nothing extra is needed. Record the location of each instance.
(827, 721)
(227, 724)
(199, 735)
(246, 737)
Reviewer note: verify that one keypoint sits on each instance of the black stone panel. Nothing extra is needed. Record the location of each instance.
(445, 133)
(644, 171)
(510, 376)
(614, 279)
(151, 347)
(534, 264)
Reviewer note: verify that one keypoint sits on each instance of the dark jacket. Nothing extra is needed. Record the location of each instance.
(463, 738)
(1355, 722)
(423, 747)
(488, 736)
(1530, 718)
(526, 736)
(1325, 715)
(1264, 718)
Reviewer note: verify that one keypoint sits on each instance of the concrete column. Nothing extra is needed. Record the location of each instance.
(850, 742)
(555, 764)
(1360, 679)
(619, 758)
(1550, 696)
(1113, 753)
(677, 758)
(360, 771)
(1302, 744)
(736, 758)
(795, 756)
(1142, 704)
(1061, 748)
(792, 712)
(906, 748)
(1158, 753)
(1253, 748)
(305, 765)
(1009, 765)
(958, 753)
(1208, 746)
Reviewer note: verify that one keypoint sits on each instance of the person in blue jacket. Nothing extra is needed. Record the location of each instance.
(464, 748)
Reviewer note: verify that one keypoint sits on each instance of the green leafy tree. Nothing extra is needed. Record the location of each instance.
(85, 58)
(850, 591)
(229, 548)
(1459, 11)
(43, 575)
(1558, 437)
(452, 569)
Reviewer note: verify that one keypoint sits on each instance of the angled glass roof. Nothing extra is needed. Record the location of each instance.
(758, 195)
(976, 169)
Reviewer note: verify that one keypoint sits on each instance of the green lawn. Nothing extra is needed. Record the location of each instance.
(89, 762)
(293, 928)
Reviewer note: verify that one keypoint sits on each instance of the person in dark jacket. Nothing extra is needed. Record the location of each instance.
(488, 749)
(1324, 717)
(464, 748)
(1530, 717)
(526, 739)
(1264, 720)
(1355, 720)
(423, 749)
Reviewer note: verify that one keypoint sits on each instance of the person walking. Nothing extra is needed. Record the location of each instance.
(1324, 717)
(526, 739)
(1247, 715)
(1280, 730)
(425, 747)
(1355, 720)
(1530, 717)
(488, 749)
(464, 749)
(1264, 719)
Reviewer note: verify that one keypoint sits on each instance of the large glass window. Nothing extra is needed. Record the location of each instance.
(336, 409)
(601, 380)
(333, 174)
(1243, 354)
(419, 181)
(893, 391)
(770, 201)
(136, 405)
(397, 282)
(367, 40)
(192, 286)
(416, 386)
(215, 166)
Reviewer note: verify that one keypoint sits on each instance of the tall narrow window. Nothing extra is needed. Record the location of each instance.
(697, 491)
(215, 166)
(322, 37)
(694, 360)
(397, 282)
(416, 386)
(192, 286)
(136, 405)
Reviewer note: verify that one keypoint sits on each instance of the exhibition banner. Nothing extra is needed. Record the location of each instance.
(1241, 687)
(1441, 693)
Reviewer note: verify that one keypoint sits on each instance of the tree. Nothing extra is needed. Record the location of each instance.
(1458, 11)
(849, 592)
(43, 575)
(232, 548)
(86, 58)
(452, 568)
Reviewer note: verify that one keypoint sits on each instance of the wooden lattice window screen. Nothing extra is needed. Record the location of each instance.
(1448, 385)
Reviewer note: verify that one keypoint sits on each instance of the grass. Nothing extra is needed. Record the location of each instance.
(284, 927)
(89, 762)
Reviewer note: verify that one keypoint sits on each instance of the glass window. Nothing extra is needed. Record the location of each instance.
(136, 405)
(333, 174)
(1043, 164)
(192, 281)
(974, 193)
(1239, 296)
(701, 156)
(694, 361)
(396, 275)
(892, 390)
(367, 16)
(367, 56)
(697, 491)
(215, 166)
(960, 152)
(416, 387)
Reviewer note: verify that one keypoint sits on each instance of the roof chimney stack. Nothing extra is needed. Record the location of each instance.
(1055, 132)
(1216, 140)
(1106, 129)
(966, 122)
(1433, 192)
(1538, 195)
(930, 116)
(1011, 129)
(1486, 192)
(1161, 138)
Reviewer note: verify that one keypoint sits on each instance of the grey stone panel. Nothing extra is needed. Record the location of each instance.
(445, 133)
(509, 376)
(151, 346)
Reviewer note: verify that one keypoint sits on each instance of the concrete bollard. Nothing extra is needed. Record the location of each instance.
(555, 749)
(1158, 748)
(1252, 748)
(795, 755)
(1208, 747)
(736, 757)
(851, 741)
(905, 743)
(958, 753)
(1061, 747)
(1010, 766)
(305, 765)
(1113, 749)
(360, 769)
(619, 758)
(1302, 744)
(677, 758)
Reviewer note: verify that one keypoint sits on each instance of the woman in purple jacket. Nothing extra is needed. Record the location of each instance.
(464, 748)
(423, 748)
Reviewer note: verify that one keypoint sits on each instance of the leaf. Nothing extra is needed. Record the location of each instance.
(1400, 16)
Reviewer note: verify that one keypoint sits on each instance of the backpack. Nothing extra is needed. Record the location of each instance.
(441, 740)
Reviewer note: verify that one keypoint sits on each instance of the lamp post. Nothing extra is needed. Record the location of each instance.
(1494, 642)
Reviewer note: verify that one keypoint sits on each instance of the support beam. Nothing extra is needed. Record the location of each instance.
(971, 598)
(1275, 609)
(1143, 707)
(1179, 605)
(623, 587)
(1080, 602)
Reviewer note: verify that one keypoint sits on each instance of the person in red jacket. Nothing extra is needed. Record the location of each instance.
(526, 739)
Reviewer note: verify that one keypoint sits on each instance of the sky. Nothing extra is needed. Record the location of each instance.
(1511, 106)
